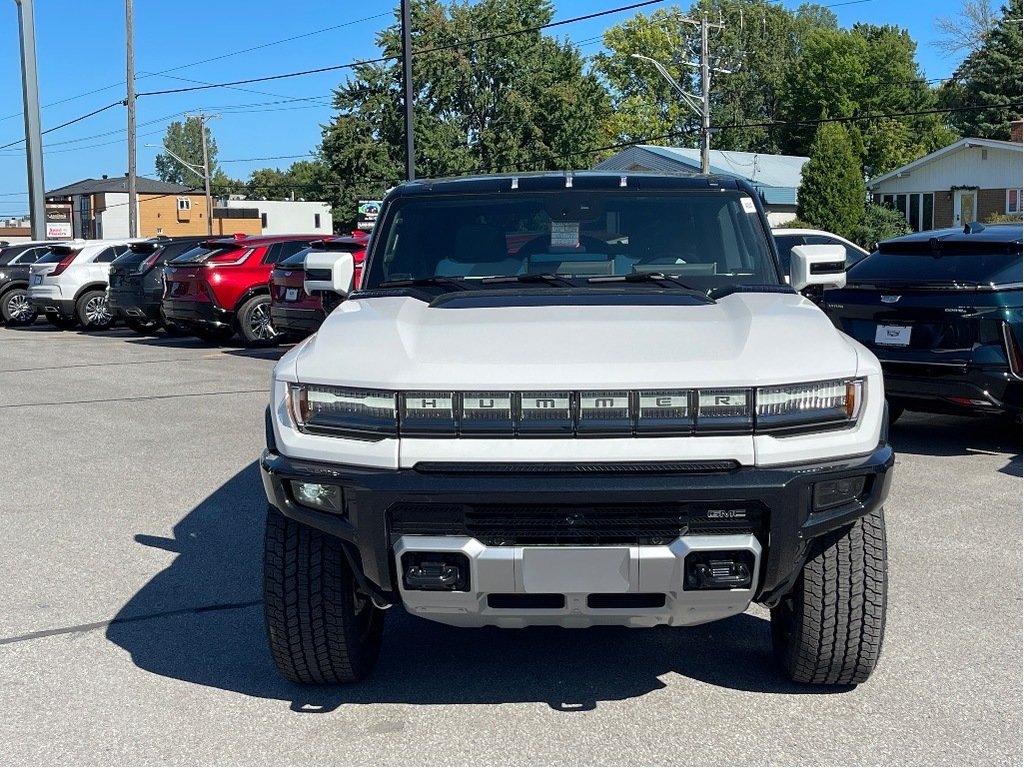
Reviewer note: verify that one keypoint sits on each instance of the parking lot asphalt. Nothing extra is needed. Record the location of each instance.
(132, 629)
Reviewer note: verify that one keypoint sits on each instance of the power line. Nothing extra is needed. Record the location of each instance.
(383, 59)
(69, 122)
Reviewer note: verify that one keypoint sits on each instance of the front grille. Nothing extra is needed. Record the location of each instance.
(580, 525)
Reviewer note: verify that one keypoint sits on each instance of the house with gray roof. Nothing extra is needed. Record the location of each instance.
(776, 177)
(969, 180)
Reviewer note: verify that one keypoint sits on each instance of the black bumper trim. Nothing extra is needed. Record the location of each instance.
(304, 321)
(196, 313)
(65, 307)
(785, 491)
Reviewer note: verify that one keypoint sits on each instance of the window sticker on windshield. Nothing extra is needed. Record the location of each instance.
(748, 205)
(565, 234)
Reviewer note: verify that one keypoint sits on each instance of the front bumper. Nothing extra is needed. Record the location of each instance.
(297, 321)
(197, 313)
(943, 389)
(388, 511)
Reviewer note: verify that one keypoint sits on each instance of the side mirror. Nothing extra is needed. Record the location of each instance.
(817, 265)
(329, 271)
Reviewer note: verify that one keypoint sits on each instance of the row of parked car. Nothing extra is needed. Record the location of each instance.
(213, 288)
(941, 310)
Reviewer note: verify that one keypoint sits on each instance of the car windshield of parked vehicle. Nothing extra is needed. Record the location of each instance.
(695, 239)
(927, 268)
(54, 254)
(135, 255)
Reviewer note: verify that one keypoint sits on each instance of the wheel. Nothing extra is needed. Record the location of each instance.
(829, 629)
(16, 309)
(93, 312)
(59, 321)
(254, 324)
(321, 627)
(215, 334)
(145, 327)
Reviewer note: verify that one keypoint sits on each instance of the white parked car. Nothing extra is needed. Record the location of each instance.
(786, 239)
(69, 283)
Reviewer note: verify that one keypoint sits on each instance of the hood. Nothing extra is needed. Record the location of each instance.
(745, 339)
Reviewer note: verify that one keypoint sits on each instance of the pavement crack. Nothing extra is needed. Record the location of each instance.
(137, 398)
(96, 365)
(128, 620)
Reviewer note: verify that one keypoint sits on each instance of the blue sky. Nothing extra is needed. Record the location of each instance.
(82, 68)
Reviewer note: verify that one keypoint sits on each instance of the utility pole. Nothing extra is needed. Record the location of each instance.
(699, 106)
(410, 151)
(705, 92)
(133, 192)
(33, 130)
(206, 167)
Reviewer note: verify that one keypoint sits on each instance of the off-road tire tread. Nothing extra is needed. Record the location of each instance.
(309, 607)
(833, 630)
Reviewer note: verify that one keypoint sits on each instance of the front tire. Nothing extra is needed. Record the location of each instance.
(16, 309)
(254, 324)
(829, 629)
(93, 311)
(322, 628)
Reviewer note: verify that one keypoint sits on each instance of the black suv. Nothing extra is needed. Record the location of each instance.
(136, 281)
(942, 312)
(15, 308)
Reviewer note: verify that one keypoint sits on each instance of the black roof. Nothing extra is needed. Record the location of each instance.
(144, 186)
(968, 239)
(549, 181)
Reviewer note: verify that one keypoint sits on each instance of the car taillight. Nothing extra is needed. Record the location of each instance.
(64, 263)
(1013, 352)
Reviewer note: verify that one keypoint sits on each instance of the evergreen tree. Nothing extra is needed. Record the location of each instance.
(993, 76)
(832, 191)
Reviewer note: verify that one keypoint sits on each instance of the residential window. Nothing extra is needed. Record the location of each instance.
(1013, 200)
(316, 221)
(184, 204)
(917, 208)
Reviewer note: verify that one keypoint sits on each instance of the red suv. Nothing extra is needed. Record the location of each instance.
(292, 310)
(222, 287)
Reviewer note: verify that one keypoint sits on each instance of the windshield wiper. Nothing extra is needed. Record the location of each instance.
(434, 280)
(645, 277)
(535, 277)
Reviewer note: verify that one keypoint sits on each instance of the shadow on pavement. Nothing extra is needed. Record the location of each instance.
(936, 435)
(201, 620)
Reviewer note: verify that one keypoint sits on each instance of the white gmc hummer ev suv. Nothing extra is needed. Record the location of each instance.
(577, 399)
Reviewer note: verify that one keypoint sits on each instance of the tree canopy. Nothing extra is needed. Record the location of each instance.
(185, 139)
(485, 100)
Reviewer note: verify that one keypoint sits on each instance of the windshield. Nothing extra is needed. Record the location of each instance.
(706, 239)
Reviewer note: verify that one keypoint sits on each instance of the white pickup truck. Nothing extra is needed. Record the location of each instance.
(577, 399)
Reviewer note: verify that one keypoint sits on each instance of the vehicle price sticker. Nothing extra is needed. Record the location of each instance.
(748, 205)
(893, 335)
(565, 234)
(291, 294)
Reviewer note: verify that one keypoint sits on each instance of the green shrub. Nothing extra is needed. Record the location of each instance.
(880, 222)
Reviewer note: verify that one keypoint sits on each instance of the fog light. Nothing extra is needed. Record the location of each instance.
(318, 496)
(832, 493)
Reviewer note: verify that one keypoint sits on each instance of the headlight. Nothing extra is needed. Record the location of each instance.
(824, 403)
(359, 413)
